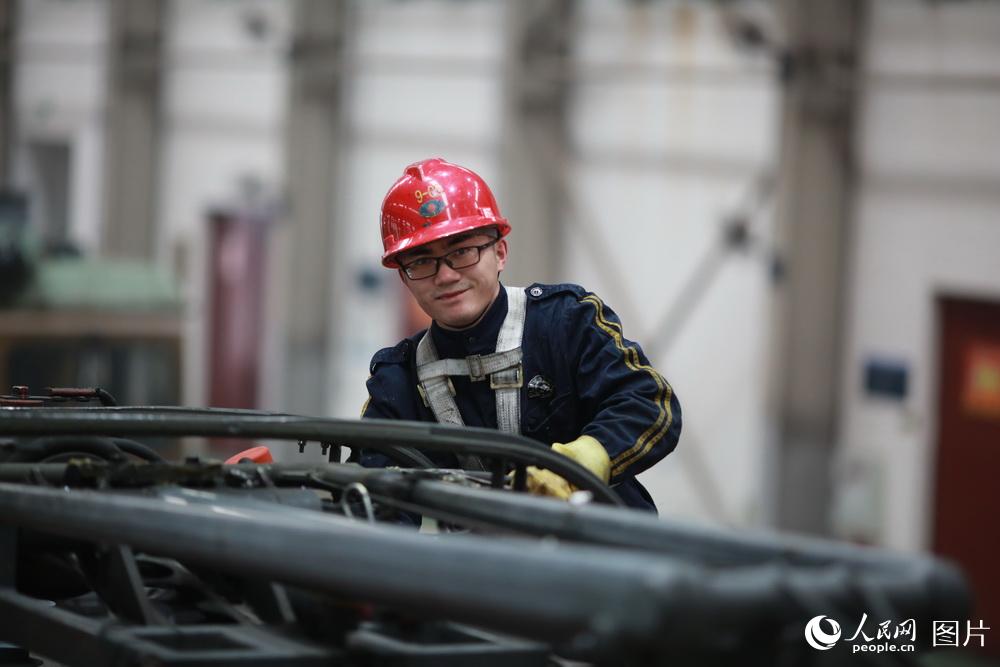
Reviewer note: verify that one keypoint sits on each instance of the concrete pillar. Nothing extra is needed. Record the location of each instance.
(534, 138)
(314, 144)
(815, 184)
(133, 130)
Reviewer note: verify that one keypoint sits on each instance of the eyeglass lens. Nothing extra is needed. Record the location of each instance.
(460, 258)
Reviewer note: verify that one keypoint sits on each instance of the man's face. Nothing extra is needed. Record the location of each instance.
(456, 298)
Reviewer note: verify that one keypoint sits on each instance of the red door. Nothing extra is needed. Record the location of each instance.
(967, 494)
(237, 286)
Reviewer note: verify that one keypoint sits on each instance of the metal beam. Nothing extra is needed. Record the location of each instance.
(314, 142)
(133, 131)
(815, 185)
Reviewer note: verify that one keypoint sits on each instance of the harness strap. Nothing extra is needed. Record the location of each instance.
(503, 368)
(507, 383)
(476, 366)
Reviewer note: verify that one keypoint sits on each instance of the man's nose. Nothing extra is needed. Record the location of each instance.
(446, 274)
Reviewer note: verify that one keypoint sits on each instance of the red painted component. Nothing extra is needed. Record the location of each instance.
(434, 199)
(20, 402)
(72, 392)
(259, 454)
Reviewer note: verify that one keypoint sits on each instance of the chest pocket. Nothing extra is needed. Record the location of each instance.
(551, 420)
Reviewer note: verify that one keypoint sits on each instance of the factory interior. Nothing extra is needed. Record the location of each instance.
(792, 205)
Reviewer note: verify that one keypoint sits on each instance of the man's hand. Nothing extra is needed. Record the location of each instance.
(586, 451)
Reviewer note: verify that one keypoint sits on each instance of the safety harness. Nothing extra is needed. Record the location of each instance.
(503, 369)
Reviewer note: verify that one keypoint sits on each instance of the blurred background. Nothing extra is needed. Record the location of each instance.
(793, 205)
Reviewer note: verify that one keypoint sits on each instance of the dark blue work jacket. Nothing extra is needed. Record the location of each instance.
(589, 380)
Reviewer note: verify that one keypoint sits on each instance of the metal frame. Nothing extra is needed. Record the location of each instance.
(385, 436)
(207, 564)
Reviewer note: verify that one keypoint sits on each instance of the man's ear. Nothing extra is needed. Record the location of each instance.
(501, 250)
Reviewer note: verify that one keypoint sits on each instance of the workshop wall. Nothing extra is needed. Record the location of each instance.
(672, 133)
(927, 207)
(673, 127)
(224, 91)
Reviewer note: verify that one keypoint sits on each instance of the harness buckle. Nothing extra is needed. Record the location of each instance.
(476, 372)
(497, 383)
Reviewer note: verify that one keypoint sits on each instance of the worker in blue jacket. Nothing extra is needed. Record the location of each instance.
(549, 362)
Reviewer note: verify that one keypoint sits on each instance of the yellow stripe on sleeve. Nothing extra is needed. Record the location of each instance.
(364, 408)
(630, 354)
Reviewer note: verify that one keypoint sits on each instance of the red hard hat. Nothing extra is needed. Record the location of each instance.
(434, 199)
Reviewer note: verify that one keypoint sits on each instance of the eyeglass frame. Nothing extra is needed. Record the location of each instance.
(405, 268)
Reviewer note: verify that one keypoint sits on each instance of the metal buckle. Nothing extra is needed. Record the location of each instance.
(476, 373)
(515, 384)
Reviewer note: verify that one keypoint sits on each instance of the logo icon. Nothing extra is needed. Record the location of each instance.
(433, 204)
(431, 207)
(819, 638)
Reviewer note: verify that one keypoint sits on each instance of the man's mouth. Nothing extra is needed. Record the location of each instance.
(450, 295)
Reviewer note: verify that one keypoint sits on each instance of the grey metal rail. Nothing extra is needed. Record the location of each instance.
(377, 434)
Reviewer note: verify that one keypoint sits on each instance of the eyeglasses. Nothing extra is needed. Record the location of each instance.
(459, 258)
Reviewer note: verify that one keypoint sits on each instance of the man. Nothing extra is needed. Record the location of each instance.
(548, 361)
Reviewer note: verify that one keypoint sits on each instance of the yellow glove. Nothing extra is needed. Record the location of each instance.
(586, 451)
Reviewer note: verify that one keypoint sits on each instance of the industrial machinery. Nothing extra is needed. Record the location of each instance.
(110, 555)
